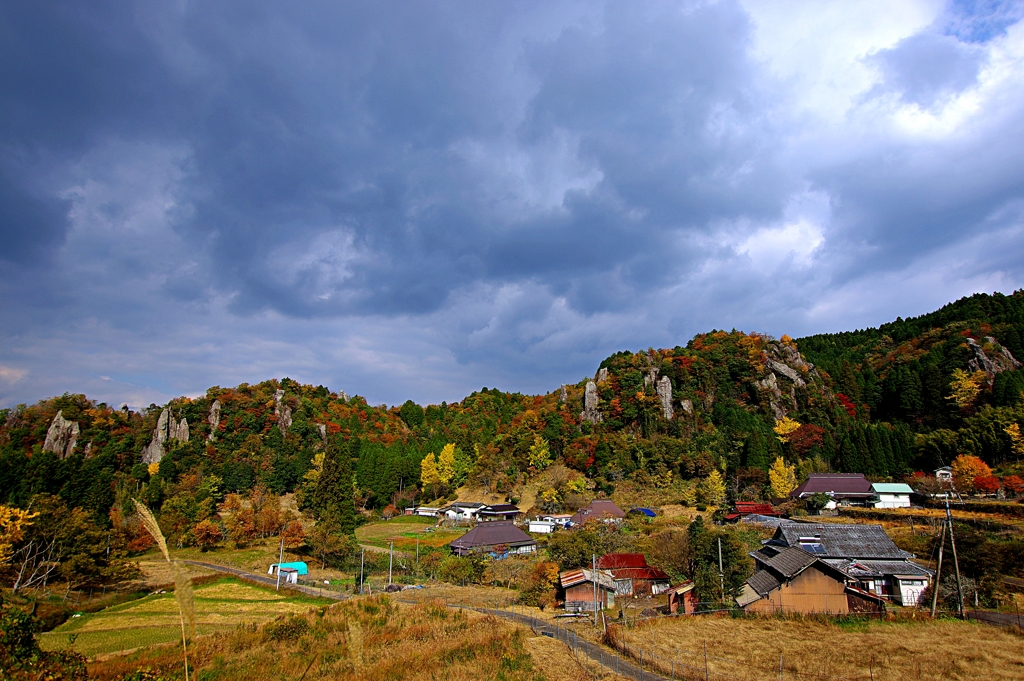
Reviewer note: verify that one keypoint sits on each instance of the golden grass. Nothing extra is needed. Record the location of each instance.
(370, 639)
(819, 649)
(220, 607)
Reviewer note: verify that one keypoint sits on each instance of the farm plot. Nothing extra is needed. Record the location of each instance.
(220, 606)
(404, 531)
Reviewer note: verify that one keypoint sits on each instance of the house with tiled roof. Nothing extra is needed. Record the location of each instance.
(498, 537)
(633, 576)
(843, 489)
(867, 556)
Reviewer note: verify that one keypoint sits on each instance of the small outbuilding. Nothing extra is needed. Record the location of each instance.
(682, 598)
(742, 509)
(299, 566)
(580, 587)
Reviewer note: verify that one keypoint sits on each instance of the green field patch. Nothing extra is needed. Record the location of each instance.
(220, 606)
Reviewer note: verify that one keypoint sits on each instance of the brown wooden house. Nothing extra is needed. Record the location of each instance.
(682, 598)
(794, 580)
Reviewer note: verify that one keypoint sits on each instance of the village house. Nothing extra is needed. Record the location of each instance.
(461, 511)
(891, 494)
(632, 575)
(604, 510)
(498, 537)
(945, 473)
(546, 524)
(795, 581)
(498, 512)
(580, 586)
(844, 489)
(865, 554)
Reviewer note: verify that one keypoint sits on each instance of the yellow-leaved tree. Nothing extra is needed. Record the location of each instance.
(13, 523)
(446, 463)
(783, 428)
(964, 387)
(711, 489)
(540, 453)
(781, 478)
(428, 472)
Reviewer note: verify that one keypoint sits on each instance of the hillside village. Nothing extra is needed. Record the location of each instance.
(871, 477)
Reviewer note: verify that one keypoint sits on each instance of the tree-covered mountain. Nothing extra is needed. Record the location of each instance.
(909, 395)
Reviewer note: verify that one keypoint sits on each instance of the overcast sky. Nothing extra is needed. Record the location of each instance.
(418, 199)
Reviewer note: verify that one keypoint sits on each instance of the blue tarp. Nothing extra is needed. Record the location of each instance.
(646, 511)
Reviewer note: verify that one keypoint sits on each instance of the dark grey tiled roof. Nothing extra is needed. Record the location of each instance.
(763, 582)
(791, 562)
(838, 484)
(490, 534)
(879, 568)
(843, 541)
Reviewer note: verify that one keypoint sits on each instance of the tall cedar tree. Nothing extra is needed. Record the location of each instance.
(333, 497)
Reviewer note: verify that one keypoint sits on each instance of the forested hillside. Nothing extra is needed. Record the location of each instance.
(706, 421)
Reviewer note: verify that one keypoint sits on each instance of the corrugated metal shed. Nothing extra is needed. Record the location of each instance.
(571, 578)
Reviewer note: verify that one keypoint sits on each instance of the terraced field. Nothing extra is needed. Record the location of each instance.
(220, 606)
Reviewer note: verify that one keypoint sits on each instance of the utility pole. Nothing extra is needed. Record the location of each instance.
(721, 572)
(391, 559)
(956, 563)
(279, 561)
(362, 561)
(417, 557)
(593, 558)
(938, 572)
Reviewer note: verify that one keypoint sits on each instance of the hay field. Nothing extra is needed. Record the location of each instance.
(220, 607)
(369, 639)
(404, 531)
(749, 649)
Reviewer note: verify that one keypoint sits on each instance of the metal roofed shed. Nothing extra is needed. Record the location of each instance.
(299, 567)
(579, 586)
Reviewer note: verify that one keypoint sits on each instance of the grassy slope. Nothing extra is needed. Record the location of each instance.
(369, 638)
(404, 531)
(220, 606)
(917, 649)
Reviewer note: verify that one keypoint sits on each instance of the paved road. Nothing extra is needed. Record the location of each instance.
(999, 619)
(595, 652)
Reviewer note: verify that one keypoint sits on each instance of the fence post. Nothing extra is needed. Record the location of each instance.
(707, 672)
(780, 666)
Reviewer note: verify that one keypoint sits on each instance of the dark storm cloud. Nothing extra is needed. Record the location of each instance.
(422, 198)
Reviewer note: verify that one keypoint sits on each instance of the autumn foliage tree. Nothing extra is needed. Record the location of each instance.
(966, 469)
(781, 478)
(986, 484)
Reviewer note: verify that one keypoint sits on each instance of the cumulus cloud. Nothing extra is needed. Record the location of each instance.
(419, 200)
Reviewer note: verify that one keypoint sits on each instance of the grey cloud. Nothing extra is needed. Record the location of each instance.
(928, 67)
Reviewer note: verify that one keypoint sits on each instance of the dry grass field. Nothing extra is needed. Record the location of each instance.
(369, 639)
(749, 649)
(220, 606)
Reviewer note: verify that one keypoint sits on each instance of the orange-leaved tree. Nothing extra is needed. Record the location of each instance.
(965, 469)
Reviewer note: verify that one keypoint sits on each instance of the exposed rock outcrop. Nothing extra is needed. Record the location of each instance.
(563, 396)
(1001, 361)
(343, 396)
(665, 394)
(322, 427)
(167, 428)
(282, 411)
(602, 374)
(214, 420)
(687, 406)
(590, 412)
(770, 385)
(61, 436)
